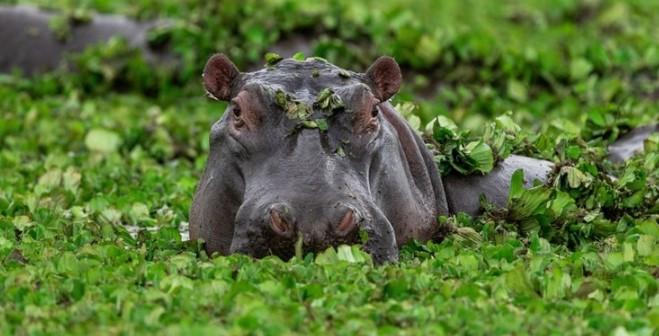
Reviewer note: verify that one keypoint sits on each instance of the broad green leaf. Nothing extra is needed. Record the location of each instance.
(481, 154)
(48, 181)
(517, 90)
(516, 185)
(103, 141)
(646, 245)
(580, 68)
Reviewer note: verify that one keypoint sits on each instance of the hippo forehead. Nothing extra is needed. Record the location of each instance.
(304, 80)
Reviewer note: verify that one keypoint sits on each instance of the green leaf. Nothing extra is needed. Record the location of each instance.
(322, 124)
(396, 289)
(298, 247)
(481, 154)
(48, 181)
(646, 245)
(22, 223)
(558, 284)
(517, 91)
(299, 56)
(272, 58)
(103, 141)
(506, 123)
(71, 179)
(344, 74)
(580, 68)
(518, 282)
(516, 185)
(574, 177)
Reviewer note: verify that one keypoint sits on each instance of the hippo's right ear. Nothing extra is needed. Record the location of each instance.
(219, 76)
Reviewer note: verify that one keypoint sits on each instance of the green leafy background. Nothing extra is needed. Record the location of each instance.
(98, 169)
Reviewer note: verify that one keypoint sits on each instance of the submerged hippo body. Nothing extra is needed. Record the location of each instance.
(273, 177)
(29, 43)
(631, 143)
(463, 192)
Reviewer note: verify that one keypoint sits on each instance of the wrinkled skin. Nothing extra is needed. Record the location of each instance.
(270, 182)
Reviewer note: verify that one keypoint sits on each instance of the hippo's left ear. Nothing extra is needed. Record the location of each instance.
(386, 77)
(219, 75)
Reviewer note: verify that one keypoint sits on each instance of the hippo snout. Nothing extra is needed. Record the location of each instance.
(275, 228)
(337, 221)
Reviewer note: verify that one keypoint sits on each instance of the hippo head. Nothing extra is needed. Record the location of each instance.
(305, 152)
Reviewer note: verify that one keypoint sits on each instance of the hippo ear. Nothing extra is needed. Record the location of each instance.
(219, 75)
(385, 76)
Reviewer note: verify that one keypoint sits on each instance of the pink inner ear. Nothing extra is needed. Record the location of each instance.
(386, 76)
(219, 75)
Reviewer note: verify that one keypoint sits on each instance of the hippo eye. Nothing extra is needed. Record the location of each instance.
(237, 113)
(375, 111)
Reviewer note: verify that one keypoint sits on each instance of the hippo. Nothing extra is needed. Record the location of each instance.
(307, 152)
(27, 36)
(631, 143)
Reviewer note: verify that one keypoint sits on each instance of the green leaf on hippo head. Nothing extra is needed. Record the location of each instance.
(344, 74)
(322, 124)
(310, 124)
(299, 56)
(281, 98)
(340, 152)
(328, 100)
(272, 58)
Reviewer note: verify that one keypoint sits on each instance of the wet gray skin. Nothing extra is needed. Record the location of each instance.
(308, 151)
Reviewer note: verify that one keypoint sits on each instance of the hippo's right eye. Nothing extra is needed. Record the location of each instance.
(237, 116)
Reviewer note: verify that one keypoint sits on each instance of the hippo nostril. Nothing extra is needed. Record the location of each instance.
(278, 224)
(347, 223)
